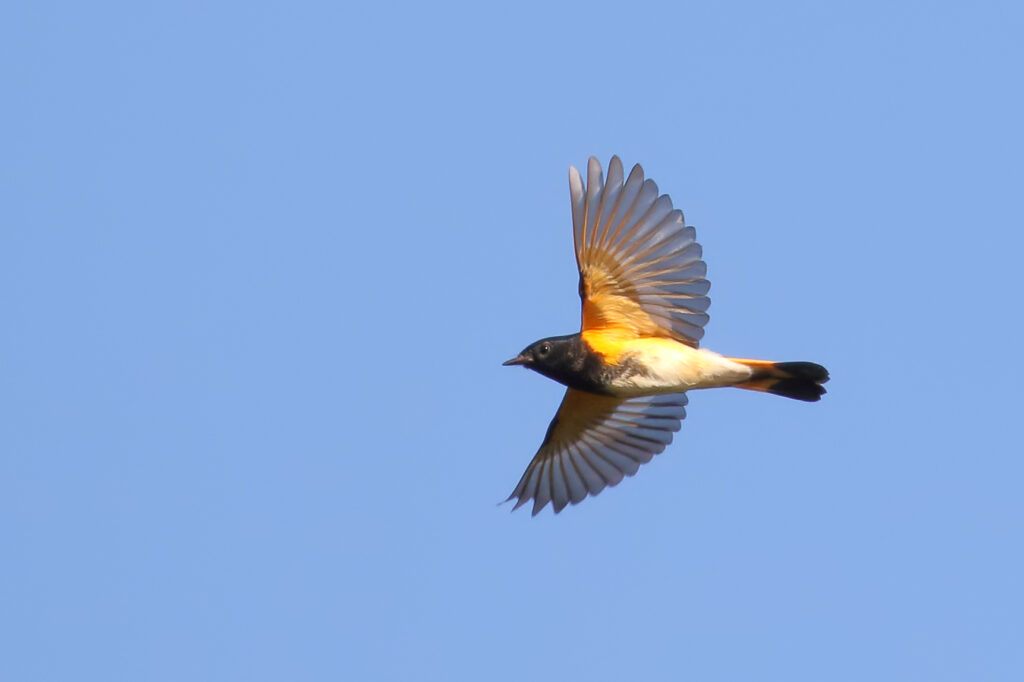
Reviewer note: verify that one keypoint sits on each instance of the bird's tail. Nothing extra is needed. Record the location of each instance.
(797, 380)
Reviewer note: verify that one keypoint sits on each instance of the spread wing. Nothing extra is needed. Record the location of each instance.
(640, 265)
(593, 442)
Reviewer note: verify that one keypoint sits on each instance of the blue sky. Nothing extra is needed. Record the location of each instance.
(260, 264)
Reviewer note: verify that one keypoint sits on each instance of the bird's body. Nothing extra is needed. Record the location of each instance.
(652, 365)
(610, 363)
(644, 302)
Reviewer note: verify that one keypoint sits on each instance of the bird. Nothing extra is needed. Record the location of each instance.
(644, 299)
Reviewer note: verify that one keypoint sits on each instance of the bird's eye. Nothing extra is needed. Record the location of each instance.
(544, 349)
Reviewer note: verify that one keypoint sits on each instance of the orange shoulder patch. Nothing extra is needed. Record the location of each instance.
(610, 343)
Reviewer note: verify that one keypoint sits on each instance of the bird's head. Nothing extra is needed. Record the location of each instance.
(551, 357)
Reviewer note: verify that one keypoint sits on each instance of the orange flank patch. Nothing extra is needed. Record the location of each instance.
(610, 344)
(613, 344)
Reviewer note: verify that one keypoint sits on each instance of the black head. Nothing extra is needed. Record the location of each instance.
(542, 353)
(561, 358)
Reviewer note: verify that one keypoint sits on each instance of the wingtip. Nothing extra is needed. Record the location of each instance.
(520, 501)
(575, 181)
(636, 174)
(537, 508)
(595, 176)
(615, 170)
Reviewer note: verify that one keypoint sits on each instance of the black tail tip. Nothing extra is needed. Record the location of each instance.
(798, 389)
(809, 371)
(800, 381)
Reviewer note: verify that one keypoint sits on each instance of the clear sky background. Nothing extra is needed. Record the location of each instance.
(260, 264)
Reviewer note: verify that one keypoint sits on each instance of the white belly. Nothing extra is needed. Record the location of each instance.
(664, 366)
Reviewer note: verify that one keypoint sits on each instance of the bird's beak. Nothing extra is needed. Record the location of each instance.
(520, 359)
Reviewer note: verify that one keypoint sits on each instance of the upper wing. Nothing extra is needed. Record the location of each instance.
(640, 265)
(593, 442)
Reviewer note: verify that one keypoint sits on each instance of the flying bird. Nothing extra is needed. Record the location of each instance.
(644, 295)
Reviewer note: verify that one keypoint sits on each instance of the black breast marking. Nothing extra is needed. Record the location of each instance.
(589, 371)
(630, 367)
